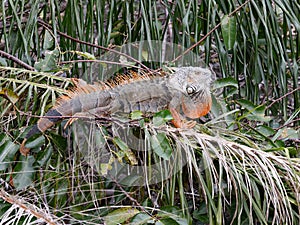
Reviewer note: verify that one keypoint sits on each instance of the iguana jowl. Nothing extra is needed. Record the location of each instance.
(187, 90)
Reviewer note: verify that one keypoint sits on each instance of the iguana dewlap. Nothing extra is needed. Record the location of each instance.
(186, 93)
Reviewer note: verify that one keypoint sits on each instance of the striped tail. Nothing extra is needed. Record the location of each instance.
(51, 117)
(67, 106)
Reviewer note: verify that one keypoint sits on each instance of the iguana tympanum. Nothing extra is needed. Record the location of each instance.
(186, 93)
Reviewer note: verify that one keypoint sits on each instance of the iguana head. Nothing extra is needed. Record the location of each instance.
(193, 83)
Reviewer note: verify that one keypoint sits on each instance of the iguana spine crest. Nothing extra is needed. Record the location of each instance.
(186, 93)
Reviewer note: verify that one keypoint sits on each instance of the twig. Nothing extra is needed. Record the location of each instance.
(16, 60)
(99, 61)
(30, 208)
(96, 46)
(209, 33)
(285, 125)
(131, 198)
(283, 96)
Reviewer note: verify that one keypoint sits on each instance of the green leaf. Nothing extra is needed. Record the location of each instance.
(256, 113)
(229, 83)
(59, 141)
(35, 142)
(125, 151)
(85, 55)
(7, 151)
(120, 216)
(24, 172)
(290, 133)
(132, 180)
(136, 115)
(44, 156)
(161, 145)
(171, 221)
(141, 218)
(171, 215)
(3, 62)
(291, 150)
(145, 55)
(267, 131)
(49, 63)
(162, 117)
(105, 167)
(228, 27)
(121, 144)
(171, 210)
(48, 40)
(225, 82)
(9, 95)
(201, 215)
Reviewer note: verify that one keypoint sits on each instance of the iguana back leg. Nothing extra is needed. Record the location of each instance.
(91, 114)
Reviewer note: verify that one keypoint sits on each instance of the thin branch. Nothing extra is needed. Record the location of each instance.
(129, 197)
(16, 60)
(286, 125)
(96, 46)
(282, 97)
(209, 33)
(98, 61)
(30, 208)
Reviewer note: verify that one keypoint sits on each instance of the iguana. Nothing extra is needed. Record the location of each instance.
(186, 93)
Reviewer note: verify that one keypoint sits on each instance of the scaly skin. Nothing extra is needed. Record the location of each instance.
(186, 93)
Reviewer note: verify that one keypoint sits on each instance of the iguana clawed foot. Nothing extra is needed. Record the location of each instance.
(23, 150)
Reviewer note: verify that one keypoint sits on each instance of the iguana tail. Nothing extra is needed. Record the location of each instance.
(81, 100)
(46, 122)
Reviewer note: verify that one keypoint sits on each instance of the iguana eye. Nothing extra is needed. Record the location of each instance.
(190, 90)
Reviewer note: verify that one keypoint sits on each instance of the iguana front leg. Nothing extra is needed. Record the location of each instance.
(179, 121)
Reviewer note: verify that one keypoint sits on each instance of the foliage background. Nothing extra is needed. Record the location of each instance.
(253, 46)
